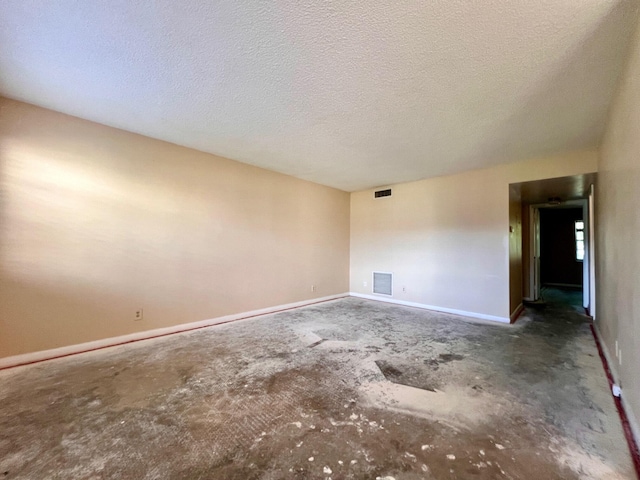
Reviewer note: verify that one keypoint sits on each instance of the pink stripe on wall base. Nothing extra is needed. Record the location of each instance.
(629, 424)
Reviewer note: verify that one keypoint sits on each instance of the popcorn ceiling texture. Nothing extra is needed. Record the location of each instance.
(347, 94)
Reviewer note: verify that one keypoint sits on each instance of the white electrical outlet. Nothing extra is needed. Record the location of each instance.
(364, 284)
(138, 314)
(404, 289)
(313, 288)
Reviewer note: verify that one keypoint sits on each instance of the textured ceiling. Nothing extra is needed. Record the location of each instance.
(350, 94)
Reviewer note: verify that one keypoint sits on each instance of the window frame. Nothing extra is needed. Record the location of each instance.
(578, 227)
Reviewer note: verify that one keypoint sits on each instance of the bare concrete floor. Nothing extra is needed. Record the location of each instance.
(346, 389)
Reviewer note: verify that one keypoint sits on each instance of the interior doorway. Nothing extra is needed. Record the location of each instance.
(556, 241)
(561, 250)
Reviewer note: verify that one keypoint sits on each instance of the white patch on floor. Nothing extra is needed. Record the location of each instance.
(454, 406)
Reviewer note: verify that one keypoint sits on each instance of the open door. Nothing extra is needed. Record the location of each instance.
(592, 254)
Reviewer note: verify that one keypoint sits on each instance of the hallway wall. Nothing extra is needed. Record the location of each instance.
(618, 229)
(516, 292)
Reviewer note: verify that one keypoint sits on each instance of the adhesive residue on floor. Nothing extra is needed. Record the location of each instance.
(349, 389)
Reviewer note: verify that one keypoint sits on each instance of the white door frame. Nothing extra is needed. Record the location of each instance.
(591, 307)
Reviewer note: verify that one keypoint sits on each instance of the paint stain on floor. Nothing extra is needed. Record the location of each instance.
(383, 392)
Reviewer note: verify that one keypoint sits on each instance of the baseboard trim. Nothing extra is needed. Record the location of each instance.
(44, 355)
(423, 306)
(630, 424)
(516, 313)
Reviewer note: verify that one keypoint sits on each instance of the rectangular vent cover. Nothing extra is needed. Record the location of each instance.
(383, 193)
(382, 283)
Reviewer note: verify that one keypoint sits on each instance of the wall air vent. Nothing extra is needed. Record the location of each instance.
(382, 193)
(382, 283)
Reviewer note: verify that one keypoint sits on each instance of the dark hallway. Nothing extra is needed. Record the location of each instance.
(560, 257)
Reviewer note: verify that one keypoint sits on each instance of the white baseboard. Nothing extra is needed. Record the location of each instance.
(633, 421)
(42, 355)
(463, 313)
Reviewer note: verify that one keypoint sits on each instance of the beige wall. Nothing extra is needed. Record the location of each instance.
(446, 239)
(618, 234)
(96, 222)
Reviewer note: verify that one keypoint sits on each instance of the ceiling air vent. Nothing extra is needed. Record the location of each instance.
(383, 193)
(382, 283)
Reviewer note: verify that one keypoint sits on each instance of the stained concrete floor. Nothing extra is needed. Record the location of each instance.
(348, 389)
